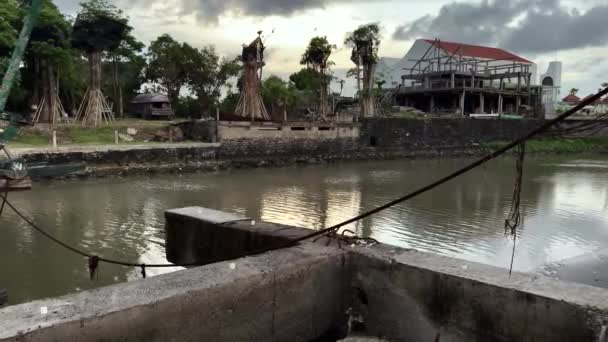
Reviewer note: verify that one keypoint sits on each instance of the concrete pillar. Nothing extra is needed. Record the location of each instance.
(462, 99)
(500, 103)
(452, 80)
(482, 103)
(517, 104)
(519, 82)
(432, 105)
(501, 84)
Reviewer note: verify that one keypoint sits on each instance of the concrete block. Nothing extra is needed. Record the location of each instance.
(204, 236)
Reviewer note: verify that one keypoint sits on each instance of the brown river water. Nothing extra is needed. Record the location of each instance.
(564, 199)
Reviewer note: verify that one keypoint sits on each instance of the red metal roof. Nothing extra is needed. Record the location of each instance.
(571, 98)
(477, 51)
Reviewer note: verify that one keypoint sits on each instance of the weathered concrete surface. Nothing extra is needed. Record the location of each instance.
(414, 296)
(203, 236)
(291, 131)
(3, 297)
(289, 295)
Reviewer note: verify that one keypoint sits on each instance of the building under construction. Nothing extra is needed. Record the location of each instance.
(453, 78)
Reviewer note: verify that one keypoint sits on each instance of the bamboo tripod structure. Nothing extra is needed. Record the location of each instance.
(250, 102)
(58, 115)
(94, 109)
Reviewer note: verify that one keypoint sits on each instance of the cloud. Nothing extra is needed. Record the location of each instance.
(533, 26)
(208, 11)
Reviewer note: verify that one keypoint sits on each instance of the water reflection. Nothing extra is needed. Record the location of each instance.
(564, 203)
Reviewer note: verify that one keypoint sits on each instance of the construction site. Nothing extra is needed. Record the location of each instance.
(453, 78)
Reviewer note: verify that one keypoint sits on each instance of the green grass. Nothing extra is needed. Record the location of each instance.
(89, 136)
(26, 139)
(559, 145)
(75, 134)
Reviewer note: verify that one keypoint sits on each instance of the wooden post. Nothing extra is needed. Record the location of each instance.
(284, 114)
(217, 113)
(116, 137)
(54, 139)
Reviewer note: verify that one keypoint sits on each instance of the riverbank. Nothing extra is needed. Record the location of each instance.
(106, 160)
(226, 145)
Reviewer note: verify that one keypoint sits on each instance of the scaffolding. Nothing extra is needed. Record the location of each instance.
(442, 82)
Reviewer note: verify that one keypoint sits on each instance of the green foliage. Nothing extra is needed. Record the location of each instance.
(573, 91)
(50, 39)
(99, 26)
(11, 14)
(209, 75)
(187, 107)
(317, 54)
(365, 42)
(167, 65)
(277, 95)
(309, 79)
(229, 102)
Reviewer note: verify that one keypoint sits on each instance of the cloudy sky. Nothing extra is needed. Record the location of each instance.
(572, 31)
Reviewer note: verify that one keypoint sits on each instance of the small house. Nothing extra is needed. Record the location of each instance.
(150, 106)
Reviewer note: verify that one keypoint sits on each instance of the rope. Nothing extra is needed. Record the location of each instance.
(515, 219)
(94, 260)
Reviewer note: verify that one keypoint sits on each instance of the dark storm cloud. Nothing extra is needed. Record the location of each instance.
(533, 26)
(210, 9)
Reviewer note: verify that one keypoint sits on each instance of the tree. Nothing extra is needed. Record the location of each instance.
(316, 58)
(48, 54)
(126, 64)
(573, 91)
(365, 42)
(308, 80)
(278, 96)
(99, 27)
(167, 65)
(209, 75)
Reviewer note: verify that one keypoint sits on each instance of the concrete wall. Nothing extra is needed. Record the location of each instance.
(233, 130)
(403, 133)
(305, 292)
(413, 296)
(289, 295)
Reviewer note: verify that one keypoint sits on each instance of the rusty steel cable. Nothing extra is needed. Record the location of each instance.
(94, 260)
